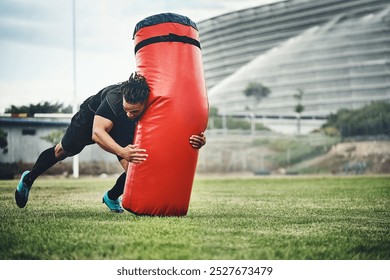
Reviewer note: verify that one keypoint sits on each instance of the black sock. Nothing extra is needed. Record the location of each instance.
(117, 189)
(45, 160)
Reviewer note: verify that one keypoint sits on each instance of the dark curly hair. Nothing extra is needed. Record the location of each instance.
(135, 90)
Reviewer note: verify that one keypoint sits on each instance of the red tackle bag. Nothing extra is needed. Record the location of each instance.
(168, 54)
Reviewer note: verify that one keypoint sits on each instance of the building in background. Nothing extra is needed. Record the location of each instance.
(28, 137)
(336, 52)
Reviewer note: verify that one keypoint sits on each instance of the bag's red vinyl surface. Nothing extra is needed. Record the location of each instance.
(168, 54)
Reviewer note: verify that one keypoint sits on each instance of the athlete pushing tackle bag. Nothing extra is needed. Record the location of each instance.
(168, 54)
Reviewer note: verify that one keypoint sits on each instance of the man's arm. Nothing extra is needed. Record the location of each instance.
(101, 128)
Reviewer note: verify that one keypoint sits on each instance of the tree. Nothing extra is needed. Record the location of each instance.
(372, 119)
(257, 91)
(54, 137)
(44, 107)
(299, 108)
(213, 112)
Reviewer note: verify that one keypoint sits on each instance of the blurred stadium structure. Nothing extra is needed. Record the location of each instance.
(336, 52)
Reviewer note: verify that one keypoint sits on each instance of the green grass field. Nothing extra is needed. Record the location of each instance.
(287, 218)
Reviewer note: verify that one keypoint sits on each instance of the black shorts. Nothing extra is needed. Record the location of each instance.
(79, 133)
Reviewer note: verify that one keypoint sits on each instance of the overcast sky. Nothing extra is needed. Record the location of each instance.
(36, 43)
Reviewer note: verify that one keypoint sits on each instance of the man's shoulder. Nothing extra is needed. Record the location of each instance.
(113, 96)
(112, 89)
(113, 93)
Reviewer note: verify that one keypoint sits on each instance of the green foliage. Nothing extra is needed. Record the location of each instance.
(257, 90)
(54, 137)
(44, 107)
(213, 112)
(297, 153)
(331, 131)
(290, 151)
(299, 107)
(373, 119)
(235, 123)
(231, 122)
(327, 218)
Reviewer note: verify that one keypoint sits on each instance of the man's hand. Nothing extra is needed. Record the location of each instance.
(198, 141)
(134, 155)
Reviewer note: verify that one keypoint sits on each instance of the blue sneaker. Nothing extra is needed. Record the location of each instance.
(22, 192)
(113, 205)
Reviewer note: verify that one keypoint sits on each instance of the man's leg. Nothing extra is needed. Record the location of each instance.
(46, 159)
(111, 197)
(77, 136)
(117, 190)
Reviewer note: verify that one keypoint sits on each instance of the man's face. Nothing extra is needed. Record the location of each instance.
(133, 111)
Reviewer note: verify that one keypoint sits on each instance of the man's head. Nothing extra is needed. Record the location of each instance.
(135, 95)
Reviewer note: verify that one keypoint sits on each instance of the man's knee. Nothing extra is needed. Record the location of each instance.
(60, 153)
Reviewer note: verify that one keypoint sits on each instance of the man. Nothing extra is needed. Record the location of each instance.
(109, 119)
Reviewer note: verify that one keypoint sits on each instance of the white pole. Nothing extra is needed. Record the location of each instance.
(75, 106)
